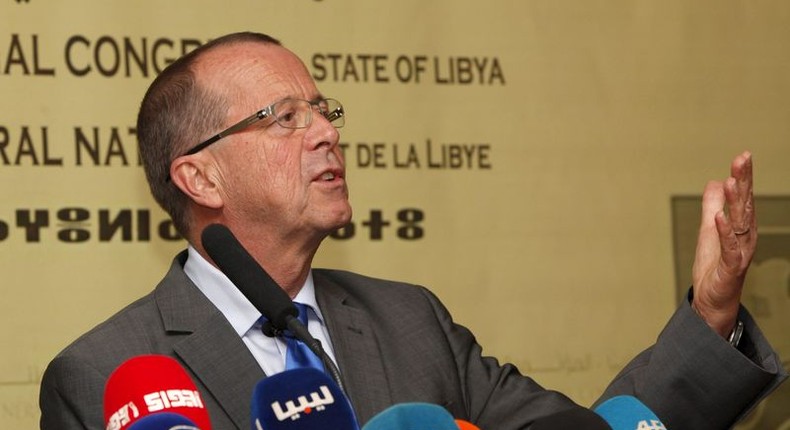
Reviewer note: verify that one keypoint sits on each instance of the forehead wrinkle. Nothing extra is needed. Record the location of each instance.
(253, 75)
(219, 73)
(287, 78)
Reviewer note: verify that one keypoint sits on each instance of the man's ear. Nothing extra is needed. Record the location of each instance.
(191, 176)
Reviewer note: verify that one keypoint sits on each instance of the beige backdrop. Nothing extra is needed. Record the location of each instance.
(517, 157)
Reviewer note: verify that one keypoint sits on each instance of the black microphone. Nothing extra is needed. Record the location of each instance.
(260, 289)
(248, 276)
(571, 419)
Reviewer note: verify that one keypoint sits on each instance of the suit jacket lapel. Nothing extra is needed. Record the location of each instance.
(356, 349)
(212, 350)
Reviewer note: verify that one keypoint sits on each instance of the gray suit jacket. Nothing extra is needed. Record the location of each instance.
(396, 343)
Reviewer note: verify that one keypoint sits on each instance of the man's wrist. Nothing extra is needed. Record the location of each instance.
(718, 320)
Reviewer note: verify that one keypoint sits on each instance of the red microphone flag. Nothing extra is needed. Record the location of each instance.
(148, 384)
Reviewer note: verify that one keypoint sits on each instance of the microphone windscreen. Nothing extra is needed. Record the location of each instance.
(412, 416)
(301, 399)
(247, 275)
(627, 413)
(163, 421)
(571, 419)
(465, 425)
(149, 384)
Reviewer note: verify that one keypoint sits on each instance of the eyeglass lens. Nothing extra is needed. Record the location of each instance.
(293, 113)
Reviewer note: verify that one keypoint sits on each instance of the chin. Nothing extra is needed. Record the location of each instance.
(344, 217)
(338, 218)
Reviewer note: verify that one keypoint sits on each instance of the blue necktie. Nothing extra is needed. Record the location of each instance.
(298, 355)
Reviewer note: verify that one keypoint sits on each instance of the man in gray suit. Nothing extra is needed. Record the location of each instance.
(275, 177)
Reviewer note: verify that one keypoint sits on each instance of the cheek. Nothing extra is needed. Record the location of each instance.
(271, 170)
(265, 161)
(285, 171)
(279, 182)
(279, 154)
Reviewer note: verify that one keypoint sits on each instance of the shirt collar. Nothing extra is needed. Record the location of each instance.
(307, 296)
(239, 312)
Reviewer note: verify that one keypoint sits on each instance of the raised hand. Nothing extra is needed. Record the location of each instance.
(725, 247)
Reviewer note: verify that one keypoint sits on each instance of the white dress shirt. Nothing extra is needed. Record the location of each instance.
(268, 352)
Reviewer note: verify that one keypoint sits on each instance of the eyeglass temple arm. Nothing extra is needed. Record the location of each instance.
(241, 125)
(335, 114)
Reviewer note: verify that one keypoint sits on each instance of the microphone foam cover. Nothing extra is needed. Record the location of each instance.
(627, 412)
(301, 399)
(412, 416)
(149, 384)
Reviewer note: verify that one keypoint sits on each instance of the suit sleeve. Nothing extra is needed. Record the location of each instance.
(68, 398)
(693, 378)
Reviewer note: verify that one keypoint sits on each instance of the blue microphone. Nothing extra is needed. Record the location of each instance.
(412, 416)
(301, 399)
(164, 421)
(628, 413)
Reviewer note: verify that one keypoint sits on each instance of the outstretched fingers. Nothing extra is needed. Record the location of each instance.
(738, 190)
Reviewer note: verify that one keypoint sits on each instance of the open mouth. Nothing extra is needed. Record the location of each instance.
(328, 176)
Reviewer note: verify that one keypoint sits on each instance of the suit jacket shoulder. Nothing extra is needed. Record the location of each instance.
(176, 320)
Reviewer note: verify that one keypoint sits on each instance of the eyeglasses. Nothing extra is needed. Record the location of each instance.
(288, 113)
